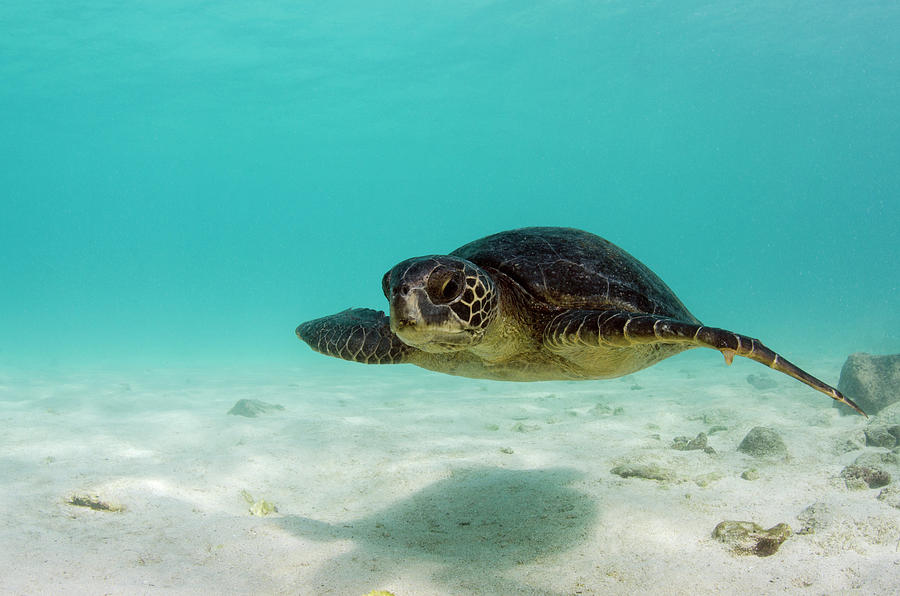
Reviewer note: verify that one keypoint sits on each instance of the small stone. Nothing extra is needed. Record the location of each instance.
(619, 411)
(862, 477)
(506, 450)
(251, 408)
(687, 444)
(260, 508)
(94, 502)
(750, 474)
(816, 517)
(520, 427)
(878, 460)
(878, 435)
(763, 442)
(601, 410)
(706, 479)
(748, 538)
(890, 495)
(848, 445)
(648, 472)
(761, 382)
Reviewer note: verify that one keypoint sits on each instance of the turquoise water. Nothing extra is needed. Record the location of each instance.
(184, 182)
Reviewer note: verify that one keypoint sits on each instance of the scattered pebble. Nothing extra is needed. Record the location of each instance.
(750, 474)
(862, 477)
(688, 444)
(762, 441)
(815, 518)
(601, 410)
(646, 471)
(890, 495)
(878, 459)
(506, 450)
(882, 435)
(94, 502)
(521, 427)
(748, 538)
(706, 479)
(259, 508)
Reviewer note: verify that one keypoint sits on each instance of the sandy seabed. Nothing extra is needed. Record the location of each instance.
(398, 479)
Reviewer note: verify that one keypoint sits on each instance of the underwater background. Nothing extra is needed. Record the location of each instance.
(184, 182)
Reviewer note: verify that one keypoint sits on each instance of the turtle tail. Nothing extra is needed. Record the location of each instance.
(731, 344)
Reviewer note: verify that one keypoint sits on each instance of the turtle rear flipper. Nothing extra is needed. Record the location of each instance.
(357, 334)
(578, 329)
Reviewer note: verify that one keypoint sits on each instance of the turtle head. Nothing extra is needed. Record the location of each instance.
(440, 303)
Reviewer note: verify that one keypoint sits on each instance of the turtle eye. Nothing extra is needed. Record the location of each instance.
(444, 285)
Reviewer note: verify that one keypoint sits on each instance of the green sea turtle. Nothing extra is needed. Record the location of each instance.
(532, 304)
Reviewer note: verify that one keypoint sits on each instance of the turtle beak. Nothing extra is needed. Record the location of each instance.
(405, 312)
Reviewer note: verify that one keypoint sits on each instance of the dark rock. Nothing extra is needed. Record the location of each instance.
(748, 538)
(873, 382)
(763, 442)
(860, 477)
(761, 382)
(688, 444)
(251, 408)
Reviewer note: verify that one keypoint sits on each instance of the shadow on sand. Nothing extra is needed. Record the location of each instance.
(465, 533)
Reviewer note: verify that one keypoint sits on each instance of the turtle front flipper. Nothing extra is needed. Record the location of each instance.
(609, 329)
(357, 334)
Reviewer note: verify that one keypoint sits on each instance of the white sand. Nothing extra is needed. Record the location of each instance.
(398, 479)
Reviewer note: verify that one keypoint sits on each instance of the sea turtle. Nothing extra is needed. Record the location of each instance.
(532, 304)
